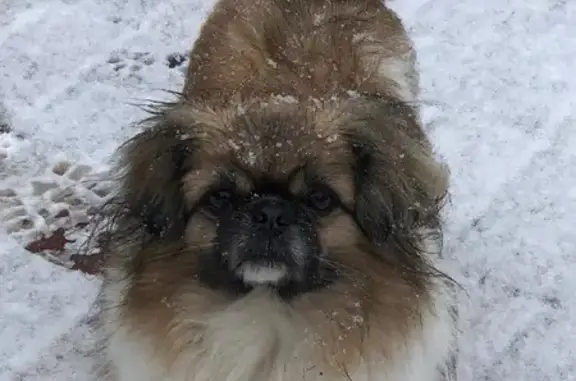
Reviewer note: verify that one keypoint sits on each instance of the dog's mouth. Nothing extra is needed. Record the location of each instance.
(280, 275)
(287, 280)
(267, 262)
(263, 273)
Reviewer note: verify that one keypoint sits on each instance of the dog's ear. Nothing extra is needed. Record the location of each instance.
(373, 203)
(398, 183)
(153, 164)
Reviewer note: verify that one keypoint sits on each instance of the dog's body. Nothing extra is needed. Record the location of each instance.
(304, 48)
(281, 94)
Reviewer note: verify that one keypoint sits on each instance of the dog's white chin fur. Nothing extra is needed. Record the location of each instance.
(255, 274)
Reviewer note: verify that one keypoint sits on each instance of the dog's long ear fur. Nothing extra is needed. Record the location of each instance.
(153, 164)
(399, 185)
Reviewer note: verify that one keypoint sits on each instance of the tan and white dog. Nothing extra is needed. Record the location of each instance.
(280, 221)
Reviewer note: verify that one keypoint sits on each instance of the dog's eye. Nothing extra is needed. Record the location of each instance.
(322, 200)
(220, 198)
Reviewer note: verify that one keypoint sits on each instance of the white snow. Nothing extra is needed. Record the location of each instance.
(499, 98)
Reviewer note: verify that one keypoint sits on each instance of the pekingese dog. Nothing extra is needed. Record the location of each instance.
(280, 221)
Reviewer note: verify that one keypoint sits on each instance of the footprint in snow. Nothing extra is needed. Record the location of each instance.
(52, 215)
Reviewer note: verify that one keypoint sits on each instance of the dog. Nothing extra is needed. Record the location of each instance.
(281, 219)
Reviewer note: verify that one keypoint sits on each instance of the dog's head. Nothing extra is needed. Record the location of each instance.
(280, 194)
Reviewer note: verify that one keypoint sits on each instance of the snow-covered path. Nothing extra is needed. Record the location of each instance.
(500, 98)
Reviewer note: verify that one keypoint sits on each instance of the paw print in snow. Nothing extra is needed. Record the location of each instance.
(13, 212)
(127, 63)
(121, 64)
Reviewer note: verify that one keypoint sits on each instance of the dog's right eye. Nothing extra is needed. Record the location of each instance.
(220, 198)
(217, 201)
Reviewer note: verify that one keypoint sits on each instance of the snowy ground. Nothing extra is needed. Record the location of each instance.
(498, 78)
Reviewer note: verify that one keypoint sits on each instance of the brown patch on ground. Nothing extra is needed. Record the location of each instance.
(56, 248)
(54, 242)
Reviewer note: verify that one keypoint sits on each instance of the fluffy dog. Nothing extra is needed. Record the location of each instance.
(280, 221)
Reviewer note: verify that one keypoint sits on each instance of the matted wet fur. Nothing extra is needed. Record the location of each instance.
(298, 119)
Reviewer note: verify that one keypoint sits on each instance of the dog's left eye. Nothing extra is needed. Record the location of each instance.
(322, 199)
(217, 201)
(220, 198)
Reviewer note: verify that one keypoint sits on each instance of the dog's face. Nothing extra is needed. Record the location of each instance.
(274, 195)
(266, 228)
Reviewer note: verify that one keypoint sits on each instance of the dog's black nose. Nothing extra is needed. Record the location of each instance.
(272, 214)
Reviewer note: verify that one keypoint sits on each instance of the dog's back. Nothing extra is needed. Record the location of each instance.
(302, 48)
